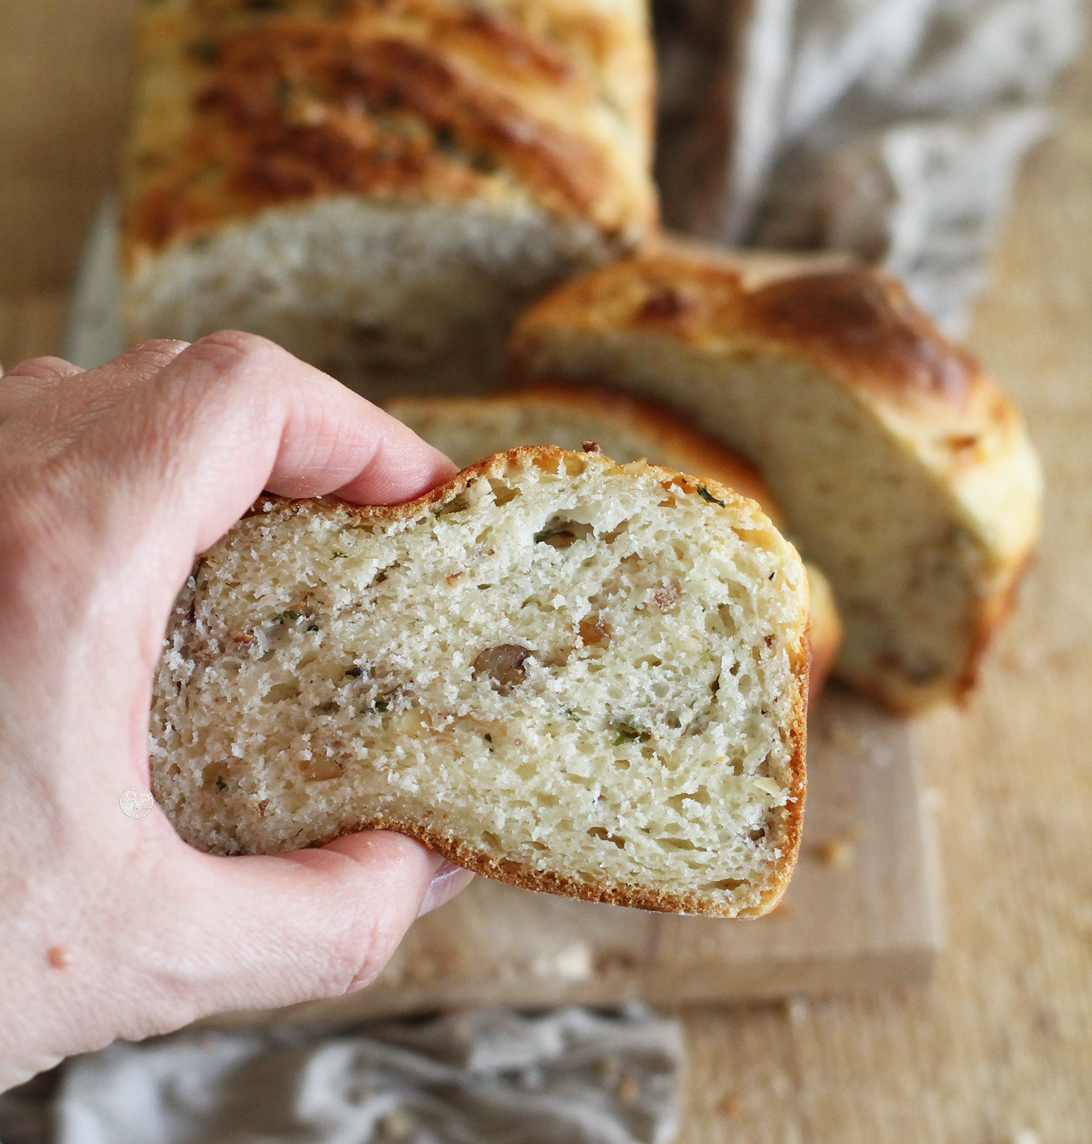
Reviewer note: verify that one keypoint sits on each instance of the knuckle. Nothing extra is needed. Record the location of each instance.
(231, 347)
(244, 365)
(161, 351)
(44, 368)
(373, 929)
(361, 898)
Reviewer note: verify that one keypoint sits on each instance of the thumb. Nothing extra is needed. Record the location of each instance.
(260, 932)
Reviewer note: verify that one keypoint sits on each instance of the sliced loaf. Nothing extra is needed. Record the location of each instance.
(560, 672)
(903, 471)
(381, 187)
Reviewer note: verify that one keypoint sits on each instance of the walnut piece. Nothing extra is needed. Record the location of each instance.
(503, 665)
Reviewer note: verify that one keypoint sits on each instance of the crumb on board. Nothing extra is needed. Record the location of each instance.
(836, 852)
(730, 1105)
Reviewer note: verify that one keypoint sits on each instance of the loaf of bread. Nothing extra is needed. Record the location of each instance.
(625, 428)
(381, 185)
(903, 471)
(563, 673)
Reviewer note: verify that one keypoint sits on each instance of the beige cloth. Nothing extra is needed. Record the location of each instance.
(483, 1077)
(892, 129)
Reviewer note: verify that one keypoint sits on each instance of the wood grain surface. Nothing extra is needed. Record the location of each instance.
(999, 1049)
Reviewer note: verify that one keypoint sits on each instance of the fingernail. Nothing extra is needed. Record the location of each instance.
(448, 880)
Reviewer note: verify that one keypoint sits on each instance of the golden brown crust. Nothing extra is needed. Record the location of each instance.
(548, 458)
(668, 434)
(855, 323)
(825, 633)
(790, 823)
(861, 323)
(243, 107)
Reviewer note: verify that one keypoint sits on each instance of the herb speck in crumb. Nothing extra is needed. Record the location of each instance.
(456, 504)
(630, 734)
(708, 497)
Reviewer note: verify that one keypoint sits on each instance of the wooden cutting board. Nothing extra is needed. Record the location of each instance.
(862, 912)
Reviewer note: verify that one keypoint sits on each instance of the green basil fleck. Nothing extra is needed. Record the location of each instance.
(629, 734)
(707, 496)
(456, 504)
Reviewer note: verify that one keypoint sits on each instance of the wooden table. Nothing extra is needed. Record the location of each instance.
(999, 1049)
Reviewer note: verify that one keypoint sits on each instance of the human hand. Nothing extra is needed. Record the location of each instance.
(111, 482)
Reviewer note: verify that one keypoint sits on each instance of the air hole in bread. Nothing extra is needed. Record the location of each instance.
(503, 493)
(698, 798)
(605, 835)
(677, 844)
(283, 692)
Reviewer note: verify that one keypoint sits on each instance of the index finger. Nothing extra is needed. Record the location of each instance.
(234, 414)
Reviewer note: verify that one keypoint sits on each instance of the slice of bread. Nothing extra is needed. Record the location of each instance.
(563, 673)
(626, 429)
(903, 471)
(381, 187)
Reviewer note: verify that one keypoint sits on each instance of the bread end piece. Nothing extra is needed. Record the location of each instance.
(902, 469)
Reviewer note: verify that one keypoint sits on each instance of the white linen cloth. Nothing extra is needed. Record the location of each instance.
(890, 129)
(482, 1077)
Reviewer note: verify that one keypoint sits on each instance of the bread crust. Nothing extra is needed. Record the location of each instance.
(244, 107)
(668, 434)
(788, 823)
(854, 322)
(860, 328)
